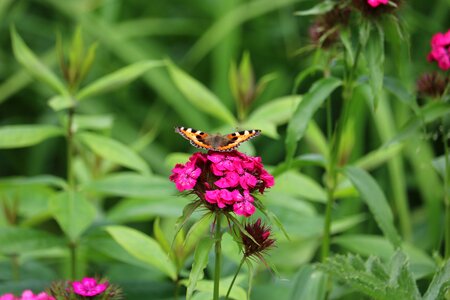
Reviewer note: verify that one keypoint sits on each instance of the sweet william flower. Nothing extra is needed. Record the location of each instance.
(375, 3)
(440, 50)
(376, 8)
(225, 181)
(261, 234)
(230, 180)
(432, 84)
(185, 176)
(244, 206)
(28, 295)
(88, 287)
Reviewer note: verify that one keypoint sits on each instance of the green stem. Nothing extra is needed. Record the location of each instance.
(331, 176)
(235, 276)
(446, 196)
(73, 260)
(15, 267)
(330, 185)
(70, 177)
(327, 226)
(218, 252)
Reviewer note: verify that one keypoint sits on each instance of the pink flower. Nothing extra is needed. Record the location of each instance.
(375, 3)
(440, 50)
(222, 197)
(223, 180)
(28, 295)
(248, 181)
(224, 162)
(231, 179)
(8, 296)
(267, 180)
(185, 176)
(245, 206)
(88, 287)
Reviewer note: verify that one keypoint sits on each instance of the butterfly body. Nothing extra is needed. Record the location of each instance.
(216, 142)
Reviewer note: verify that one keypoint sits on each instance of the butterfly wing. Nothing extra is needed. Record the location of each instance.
(196, 137)
(236, 138)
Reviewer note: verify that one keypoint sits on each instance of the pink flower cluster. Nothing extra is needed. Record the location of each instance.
(440, 50)
(27, 295)
(88, 287)
(375, 3)
(225, 180)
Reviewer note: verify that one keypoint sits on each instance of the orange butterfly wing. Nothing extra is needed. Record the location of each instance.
(197, 138)
(236, 138)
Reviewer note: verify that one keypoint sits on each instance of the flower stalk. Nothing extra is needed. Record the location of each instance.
(218, 252)
(234, 277)
(446, 197)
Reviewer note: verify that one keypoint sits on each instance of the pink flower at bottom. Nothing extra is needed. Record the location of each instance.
(28, 295)
(375, 3)
(8, 296)
(89, 287)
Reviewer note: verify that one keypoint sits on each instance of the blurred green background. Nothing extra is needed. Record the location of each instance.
(204, 38)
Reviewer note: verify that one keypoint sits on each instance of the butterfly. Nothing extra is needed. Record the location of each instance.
(216, 142)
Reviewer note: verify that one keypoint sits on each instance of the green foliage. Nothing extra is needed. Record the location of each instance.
(372, 194)
(358, 154)
(73, 213)
(305, 111)
(17, 136)
(373, 278)
(140, 246)
(200, 261)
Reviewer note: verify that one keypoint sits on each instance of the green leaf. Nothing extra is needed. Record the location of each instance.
(160, 236)
(398, 89)
(401, 276)
(35, 180)
(305, 111)
(117, 79)
(375, 60)
(206, 288)
(15, 240)
(201, 256)
(132, 210)
(60, 102)
(114, 151)
(439, 164)
(29, 60)
(309, 284)
(73, 213)
(188, 210)
(297, 184)
(373, 278)
(75, 55)
(93, 122)
(440, 284)
(132, 185)
(426, 114)
(421, 264)
(143, 248)
(319, 9)
(202, 98)
(88, 60)
(271, 114)
(17, 136)
(197, 231)
(374, 197)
